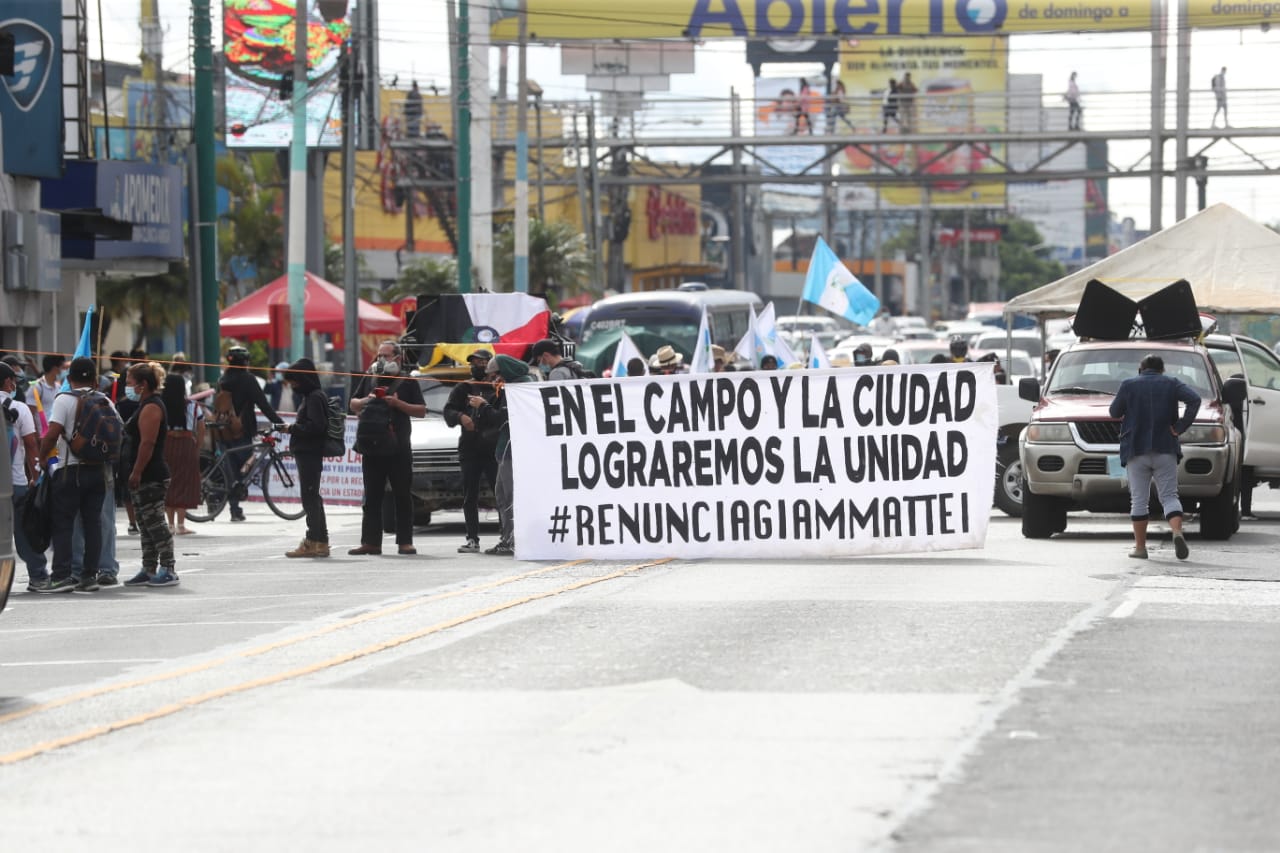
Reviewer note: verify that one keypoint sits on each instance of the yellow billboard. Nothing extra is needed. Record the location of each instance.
(557, 20)
(947, 87)
(561, 20)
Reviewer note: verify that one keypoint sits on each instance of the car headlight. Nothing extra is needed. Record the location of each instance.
(1050, 433)
(1204, 435)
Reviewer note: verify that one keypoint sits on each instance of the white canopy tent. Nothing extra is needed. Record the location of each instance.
(1232, 263)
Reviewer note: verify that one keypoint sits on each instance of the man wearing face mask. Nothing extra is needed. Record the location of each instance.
(554, 367)
(476, 447)
(388, 382)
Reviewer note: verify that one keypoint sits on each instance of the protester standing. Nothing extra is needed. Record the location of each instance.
(23, 452)
(477, 448)
(146, 436)
(387, 384)
(247, 398)
(307, 436)
(185, 437)
(494, 416)
(45, 390)
(1149, 446)
(890, 108)
(78, 488)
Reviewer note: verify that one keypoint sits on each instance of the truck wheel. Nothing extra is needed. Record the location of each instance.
(1042, 516)
(1220, 515)
(1009, 485)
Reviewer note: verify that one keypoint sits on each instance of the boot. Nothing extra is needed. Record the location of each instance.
(319, 549)
(306, 548)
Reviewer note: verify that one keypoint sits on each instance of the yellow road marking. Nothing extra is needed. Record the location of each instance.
(267, 681)
(261, 650)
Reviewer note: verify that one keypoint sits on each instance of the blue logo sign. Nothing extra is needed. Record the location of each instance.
(33, 59)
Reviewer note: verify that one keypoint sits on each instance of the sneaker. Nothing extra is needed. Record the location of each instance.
(88, 584)
(133, 530)
(1138, 553)
(501, 550)
(107, 579)
(61, 585)
(238, 516)
(472, 547)
(1180, 548)
(164, 577)
(140, 579)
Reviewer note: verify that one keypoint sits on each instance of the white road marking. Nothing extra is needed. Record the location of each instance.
(80, 662)
(1125, 610)
(117, 627)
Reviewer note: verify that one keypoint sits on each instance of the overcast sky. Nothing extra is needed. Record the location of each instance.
(414, 43)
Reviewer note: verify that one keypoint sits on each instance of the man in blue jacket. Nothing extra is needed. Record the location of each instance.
(1149, 446)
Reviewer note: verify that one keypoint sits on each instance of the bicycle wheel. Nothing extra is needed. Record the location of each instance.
(214, 492)
(280, 487)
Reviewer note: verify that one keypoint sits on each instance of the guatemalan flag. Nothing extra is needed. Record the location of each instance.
(830, 284)
(817, 355)
(457, 324)
(626, 351)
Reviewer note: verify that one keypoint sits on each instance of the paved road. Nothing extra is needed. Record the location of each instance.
(1028, 696)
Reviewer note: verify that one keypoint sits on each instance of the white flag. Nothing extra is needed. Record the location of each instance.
(626, 351)
(817, 355)
(769, 342)
(702, 362)
(748, 349)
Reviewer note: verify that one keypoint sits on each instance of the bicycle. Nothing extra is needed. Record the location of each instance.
(273, 470)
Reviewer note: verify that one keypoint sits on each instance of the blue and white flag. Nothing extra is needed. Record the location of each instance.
(748, 348)
(626, 351)
(769, 342)
(84, 349)
(702, 360)
(830, 284)
(817, 354)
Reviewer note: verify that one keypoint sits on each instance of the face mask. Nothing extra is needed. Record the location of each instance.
(279, 377)
(544, 369)
(131, 393)
(477, 372)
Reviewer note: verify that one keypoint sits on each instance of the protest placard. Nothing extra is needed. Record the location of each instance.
(815, 463)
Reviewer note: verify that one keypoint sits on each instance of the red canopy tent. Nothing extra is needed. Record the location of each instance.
(250, 318)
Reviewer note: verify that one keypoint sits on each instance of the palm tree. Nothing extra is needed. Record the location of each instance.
(560, 262)
(429, 276)
(256, 233)
(161, 302)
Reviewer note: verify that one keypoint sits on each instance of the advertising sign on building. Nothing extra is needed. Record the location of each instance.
(147, 196)
(790, 106)
(31, 104)
(258, 40)
(951, 87)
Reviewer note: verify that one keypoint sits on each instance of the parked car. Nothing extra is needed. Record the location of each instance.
(437, 470)
(998, 340)
(8, 561)
(1251, 360)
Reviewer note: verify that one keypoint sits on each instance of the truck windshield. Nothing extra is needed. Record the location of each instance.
(1100, 371)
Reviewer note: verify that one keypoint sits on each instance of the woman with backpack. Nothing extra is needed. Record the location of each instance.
(307, 435)
(146, 436)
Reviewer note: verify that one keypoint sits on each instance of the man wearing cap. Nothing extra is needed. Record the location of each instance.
(476, 447)
(546, 356)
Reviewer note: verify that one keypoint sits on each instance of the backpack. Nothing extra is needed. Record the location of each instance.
(225, 417)
(98, 432)
(335, 441)
(579, 372)
(375, 431)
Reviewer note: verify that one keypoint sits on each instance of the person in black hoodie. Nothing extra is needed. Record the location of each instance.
(306, 439)
(246, 396)
(475, 446)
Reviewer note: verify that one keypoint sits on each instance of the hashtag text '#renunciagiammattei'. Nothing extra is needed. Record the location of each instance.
(935, 514)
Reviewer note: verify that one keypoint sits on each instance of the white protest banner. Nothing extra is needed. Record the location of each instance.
(815, 463)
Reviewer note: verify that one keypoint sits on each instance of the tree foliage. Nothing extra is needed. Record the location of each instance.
(1022, 268)
(560, 262)
(253, 229)
(161, 302)
(431, 276)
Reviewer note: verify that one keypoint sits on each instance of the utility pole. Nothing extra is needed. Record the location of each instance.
(206, 189)
(297, 254)
(352, 80)
(153, 73)
(462, 137)
(1182, 120)
(522, 155)
(1159, 61)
